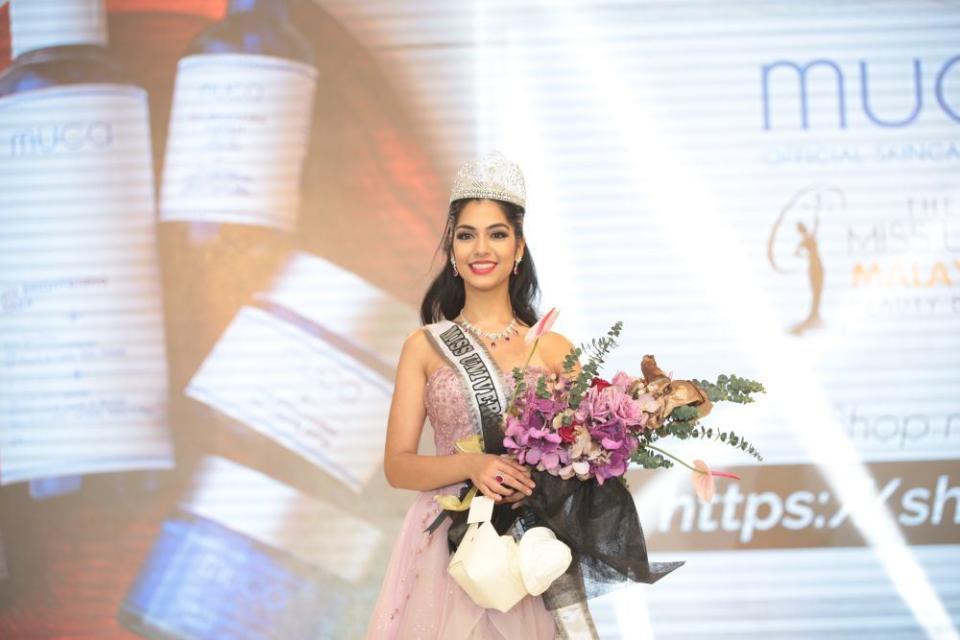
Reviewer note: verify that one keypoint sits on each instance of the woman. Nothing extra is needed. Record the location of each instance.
(808, 244)
(487, 290)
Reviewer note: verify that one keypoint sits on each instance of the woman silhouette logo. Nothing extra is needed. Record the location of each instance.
(809, 202)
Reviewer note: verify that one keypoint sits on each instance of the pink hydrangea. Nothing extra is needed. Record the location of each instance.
(596, 440)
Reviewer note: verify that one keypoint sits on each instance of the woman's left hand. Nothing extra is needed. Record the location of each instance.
(516, 498)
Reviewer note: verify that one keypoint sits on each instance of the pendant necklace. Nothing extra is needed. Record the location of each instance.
(509, 330)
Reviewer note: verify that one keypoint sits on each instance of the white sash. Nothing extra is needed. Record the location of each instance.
(480, 377)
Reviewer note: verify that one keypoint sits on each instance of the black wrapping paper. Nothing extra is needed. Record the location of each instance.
(598, 522)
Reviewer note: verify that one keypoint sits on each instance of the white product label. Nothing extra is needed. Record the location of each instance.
(83, 374)
(306, 392)
(239, 131)
(328, 295)
(279, 516)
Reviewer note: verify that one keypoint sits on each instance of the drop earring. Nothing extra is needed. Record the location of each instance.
(453, 263)
(516, 266)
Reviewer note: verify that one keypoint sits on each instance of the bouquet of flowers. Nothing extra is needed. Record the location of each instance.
(578, 431)
(583, 426)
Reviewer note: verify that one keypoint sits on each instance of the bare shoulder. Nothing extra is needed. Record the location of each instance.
(417, 341)
(416, 351)
(420, 354)
(555, 348)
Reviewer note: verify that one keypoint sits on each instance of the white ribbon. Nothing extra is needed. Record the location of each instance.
(497, 573)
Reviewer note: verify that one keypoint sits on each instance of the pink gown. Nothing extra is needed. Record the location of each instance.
(419, 600)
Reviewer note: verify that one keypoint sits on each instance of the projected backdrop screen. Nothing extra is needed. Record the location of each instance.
(210, 256)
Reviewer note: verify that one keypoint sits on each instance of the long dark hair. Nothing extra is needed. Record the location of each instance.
(445, 296)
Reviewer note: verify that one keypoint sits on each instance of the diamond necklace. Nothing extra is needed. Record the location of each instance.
(509, 330)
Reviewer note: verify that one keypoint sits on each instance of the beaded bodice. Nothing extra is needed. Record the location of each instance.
(446, 405)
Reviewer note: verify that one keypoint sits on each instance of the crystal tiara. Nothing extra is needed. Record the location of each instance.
(492, 176)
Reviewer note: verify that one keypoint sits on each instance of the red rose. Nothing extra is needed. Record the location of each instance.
(567, 433)
(600, 384)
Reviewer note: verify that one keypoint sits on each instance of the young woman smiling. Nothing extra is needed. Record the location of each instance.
(484, 296)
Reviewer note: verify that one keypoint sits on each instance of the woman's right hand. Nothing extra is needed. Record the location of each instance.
(484, 469)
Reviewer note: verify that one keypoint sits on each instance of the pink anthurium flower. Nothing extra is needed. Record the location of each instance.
(542, 326)
(703, 482)
(537, 331)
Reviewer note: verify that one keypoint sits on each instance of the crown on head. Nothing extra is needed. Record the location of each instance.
(491, 176)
